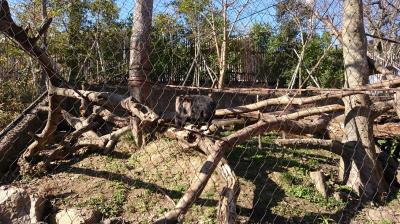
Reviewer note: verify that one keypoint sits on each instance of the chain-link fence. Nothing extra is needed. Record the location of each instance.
(228, 111)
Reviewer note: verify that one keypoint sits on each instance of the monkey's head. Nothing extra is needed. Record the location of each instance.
(183, 105)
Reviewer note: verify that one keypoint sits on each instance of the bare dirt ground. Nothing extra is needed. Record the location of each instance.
(140, 185)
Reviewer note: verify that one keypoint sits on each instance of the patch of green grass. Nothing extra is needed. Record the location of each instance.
(178, 190)
(128, 138)
(296, 176)
(209, 215)
(143, 202)
(269, 138)
(310, 194)
(162, 210)
(289, 178)
(385, 222)
(297, 185)
(108, 207)
(26, 177)
(211, 193)
(115, 165)
(343, 188)
(326, 220)
(226, 133)
(133, 160)
(65, 201)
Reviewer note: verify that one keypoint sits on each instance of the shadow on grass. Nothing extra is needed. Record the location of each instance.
(254, 164)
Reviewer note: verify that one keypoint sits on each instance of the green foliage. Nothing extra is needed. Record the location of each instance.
(83, 37)
(280, 60)
(260, 35)
(192, 9)
(89, 41)
(330, 71)
(15, 95)
(170, 53)
(389, 146)
(128, 137)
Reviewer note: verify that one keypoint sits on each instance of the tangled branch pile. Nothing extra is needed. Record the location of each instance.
(316, 121)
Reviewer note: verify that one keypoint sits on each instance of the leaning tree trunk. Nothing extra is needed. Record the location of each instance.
(139, 63)
(361, 171)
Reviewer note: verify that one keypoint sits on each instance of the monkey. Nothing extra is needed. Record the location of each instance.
(194, 109)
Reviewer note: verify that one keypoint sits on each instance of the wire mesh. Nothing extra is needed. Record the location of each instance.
(107, 111)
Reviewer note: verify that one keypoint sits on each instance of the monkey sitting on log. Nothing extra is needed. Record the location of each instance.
(194, 109)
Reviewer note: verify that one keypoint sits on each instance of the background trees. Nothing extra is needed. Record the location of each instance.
(270, 44)
(89, 37)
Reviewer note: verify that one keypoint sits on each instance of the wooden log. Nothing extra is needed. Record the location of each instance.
(110, 117)
(312, 143)
(227, 203)
(387, 131)
(230, 192)
(110, 101)
(14, 142)
(143, 112)
(285, 100)
(90, 138)
(318, 179)
(54, 117)
(396, 103)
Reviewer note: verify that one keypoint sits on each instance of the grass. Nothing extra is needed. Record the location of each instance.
(128, 138)
(144, 202)
(108, 207)
(310, 194)
(115, 165)
(297, 184)
(179, 188)
(290, 180)
(326, 220)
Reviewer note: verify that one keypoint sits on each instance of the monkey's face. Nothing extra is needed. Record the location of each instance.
(187, 106)
(183, 106)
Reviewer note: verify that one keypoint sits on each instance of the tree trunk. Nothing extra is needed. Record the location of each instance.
(139, 62)
(74, 26)
(41, 81)
(362, 171)
(222, 64)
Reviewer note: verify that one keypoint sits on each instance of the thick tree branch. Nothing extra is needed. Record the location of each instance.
(110, 117)
(285, 100)
(313, 143)
(113, 102)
